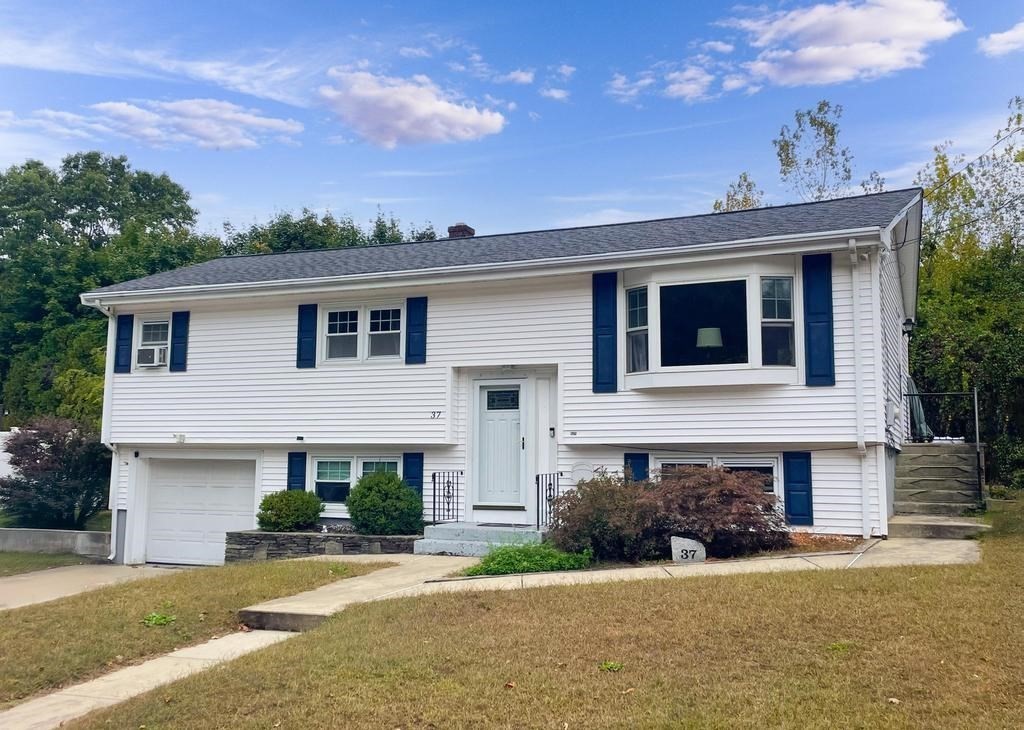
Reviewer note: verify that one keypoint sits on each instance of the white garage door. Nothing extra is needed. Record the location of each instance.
(192, 503)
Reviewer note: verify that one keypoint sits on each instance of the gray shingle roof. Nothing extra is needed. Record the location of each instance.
(865, 211)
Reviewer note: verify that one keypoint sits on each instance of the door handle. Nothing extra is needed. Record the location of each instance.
(524, 443)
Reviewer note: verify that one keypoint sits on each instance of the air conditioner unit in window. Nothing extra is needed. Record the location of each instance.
(151, 357)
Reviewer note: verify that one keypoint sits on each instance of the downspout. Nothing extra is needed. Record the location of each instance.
(108, 396)
(858, 389)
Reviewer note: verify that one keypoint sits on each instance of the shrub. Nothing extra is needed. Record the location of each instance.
(537, 558)
(382, 504)
(619, 519)
(293, 510)
(61, 475)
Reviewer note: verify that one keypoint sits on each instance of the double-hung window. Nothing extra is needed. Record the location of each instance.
(777, 346)
(636, 330)
(343, 334)
(360, 333)
(333, 479)
(153, 342)
(385, 337)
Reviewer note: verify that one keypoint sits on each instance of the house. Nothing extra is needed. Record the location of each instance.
(489, 370)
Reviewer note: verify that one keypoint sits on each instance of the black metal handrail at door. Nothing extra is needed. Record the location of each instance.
(548, 488)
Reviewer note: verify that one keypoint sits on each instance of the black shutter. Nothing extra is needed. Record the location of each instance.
(123, 343)
(296, 470)
(606, 376)
(305, 350)
(796, 468)
(179, 342)
(819, 345)
(415, 330)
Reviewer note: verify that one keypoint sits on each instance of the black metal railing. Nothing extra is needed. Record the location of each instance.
(447, 488)
(548, 488)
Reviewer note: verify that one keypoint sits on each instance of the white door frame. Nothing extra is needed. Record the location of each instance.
(474, 513)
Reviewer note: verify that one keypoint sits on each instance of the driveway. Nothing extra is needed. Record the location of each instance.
(48, 585)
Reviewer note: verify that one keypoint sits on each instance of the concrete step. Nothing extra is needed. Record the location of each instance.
(938, 484)
(946, 496)
(936, 471)
(482, 533)
(467, 548)
(938, 448)
(933, 508)
(936, 526)
(937, 458)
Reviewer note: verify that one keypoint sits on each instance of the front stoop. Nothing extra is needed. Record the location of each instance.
(937, 479)
(942, 527)
(471, 539)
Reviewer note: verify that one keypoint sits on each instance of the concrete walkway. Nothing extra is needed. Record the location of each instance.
(876, 554)
(52, 710)
(40, 586)
(306, 610)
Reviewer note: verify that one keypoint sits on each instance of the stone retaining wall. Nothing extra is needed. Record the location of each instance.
(259, 545)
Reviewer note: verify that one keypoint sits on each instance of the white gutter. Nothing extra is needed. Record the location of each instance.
(624, 259)
(858, 387)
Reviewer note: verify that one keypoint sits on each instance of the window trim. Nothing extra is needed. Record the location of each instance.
(778, 322)
(362, 309)
(328, 334)
(140, 321)
(340, 509)
(731, 461)
(646, 328)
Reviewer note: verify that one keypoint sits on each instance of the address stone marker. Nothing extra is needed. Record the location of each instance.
(685, 550)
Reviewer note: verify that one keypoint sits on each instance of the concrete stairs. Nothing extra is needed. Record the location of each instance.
(936, 484)
(472, 539)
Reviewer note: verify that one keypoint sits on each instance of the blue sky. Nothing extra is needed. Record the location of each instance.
(509, 116)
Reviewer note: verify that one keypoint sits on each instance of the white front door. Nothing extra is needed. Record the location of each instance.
(500, 454)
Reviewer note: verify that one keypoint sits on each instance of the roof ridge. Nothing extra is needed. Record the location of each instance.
(468, 239)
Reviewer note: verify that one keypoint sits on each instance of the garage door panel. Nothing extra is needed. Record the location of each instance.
(193, 503)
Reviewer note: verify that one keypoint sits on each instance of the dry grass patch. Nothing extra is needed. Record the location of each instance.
(893, 648)
(15, 563)
(49, 645)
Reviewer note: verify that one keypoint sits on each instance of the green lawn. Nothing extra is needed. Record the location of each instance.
(935, 647)
(65, 641)
(14, 563)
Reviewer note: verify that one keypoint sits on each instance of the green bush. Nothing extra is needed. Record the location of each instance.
(382, 504)
(621, 519)
(293, 510)
(537, 558)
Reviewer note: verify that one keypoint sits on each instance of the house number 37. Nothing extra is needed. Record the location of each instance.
(435, 414)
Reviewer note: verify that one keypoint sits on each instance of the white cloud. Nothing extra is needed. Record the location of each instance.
(413, 52)
(718, 47)
(565, 71)
(556, 94)
(390, 111)
(206, 123)
(846, 40)
(534, 116)
(690, 84)
(626, 91)
(519, 76)
(999, 44)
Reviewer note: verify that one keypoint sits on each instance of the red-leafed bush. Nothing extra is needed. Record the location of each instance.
(620, 519)
(61, 475)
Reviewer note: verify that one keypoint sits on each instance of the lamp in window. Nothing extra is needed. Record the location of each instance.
(709, 337)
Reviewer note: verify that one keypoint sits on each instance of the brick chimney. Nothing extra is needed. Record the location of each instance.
(460, 230)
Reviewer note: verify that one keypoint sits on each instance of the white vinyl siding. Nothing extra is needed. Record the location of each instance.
(894, 353)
